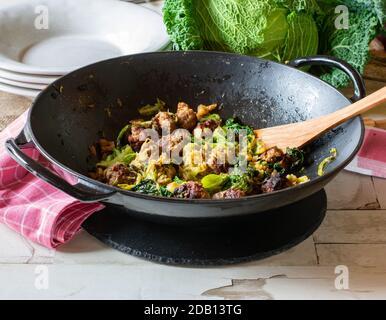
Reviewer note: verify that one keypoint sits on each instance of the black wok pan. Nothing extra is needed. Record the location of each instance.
(73, 113)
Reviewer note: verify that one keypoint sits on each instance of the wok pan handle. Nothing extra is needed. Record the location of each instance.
(356, 78)
(78, 191)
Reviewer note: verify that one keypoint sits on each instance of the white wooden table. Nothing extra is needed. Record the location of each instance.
(353, 234)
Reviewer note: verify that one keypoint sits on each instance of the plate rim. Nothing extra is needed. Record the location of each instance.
(31, 93)
(19, 67)
(23, 84)
(32, 78)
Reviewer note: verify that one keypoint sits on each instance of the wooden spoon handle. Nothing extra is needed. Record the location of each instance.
(336, 118)
(301, 133)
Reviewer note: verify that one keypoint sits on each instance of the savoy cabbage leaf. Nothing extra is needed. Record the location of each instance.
(261, 28)
(278, 30)
(366, 18)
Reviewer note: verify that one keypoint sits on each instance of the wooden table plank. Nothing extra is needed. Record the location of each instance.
(351, 191)
(352, 254)
(159, 282)
(380, 189)
(84, 249)
(353, 226)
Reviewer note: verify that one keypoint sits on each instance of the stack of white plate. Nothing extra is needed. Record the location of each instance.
(41, 40)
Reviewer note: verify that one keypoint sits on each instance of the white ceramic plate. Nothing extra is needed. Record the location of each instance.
(79, 32)
(25, 77)
(19, 91)
(20, 84)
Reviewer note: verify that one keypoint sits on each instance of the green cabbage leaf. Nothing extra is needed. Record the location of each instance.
(274, 29)
(278, 30)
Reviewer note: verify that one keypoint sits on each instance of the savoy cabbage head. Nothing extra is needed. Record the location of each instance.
(278, 30)
(274, 29)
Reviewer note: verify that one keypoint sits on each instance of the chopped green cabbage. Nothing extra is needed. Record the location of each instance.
(151, 109)
(214, 182)
(124, 155)
(323, 164)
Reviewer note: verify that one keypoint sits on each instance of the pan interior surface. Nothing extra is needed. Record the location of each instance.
(98, 100)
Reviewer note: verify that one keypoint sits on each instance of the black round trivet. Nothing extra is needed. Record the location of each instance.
(250, 238)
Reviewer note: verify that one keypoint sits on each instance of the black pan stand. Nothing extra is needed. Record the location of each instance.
(209, 243)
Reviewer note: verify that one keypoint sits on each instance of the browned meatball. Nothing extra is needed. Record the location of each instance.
(120, 174)
(272, 155)
(173, 144)
(229, 194)
(165, 174)
(275, 182)
(191, 190)
(186, 117)
(217, 166)
(286, 162)
(134, 138)
(164, 120)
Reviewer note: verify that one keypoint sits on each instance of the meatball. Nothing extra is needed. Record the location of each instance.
(186, 117)
(217, 167)
(229, 194)
(191, 190)
(120, 174)
(172, 144)
(273, 183)
(165, 174)
(134, 138)
(272, 155)
(164, 121)
(217, 161)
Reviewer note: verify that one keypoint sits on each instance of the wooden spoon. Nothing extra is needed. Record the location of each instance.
(300, 133)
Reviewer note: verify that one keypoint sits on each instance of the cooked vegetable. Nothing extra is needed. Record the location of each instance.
(164, 192)
(178, 180)
(124, 155)
(122, 134)
(240, 180)
(218, 168)
(219, 135)
(214, 182)
(152, 109)
(296, 159)
(294, 180)
(278, 30)
(323, 164)
(232, 124)
(150, 187)
(203, 110)
(213, 116)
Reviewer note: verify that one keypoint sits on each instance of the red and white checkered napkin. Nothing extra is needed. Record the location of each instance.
(31, 206)
(371, 158)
